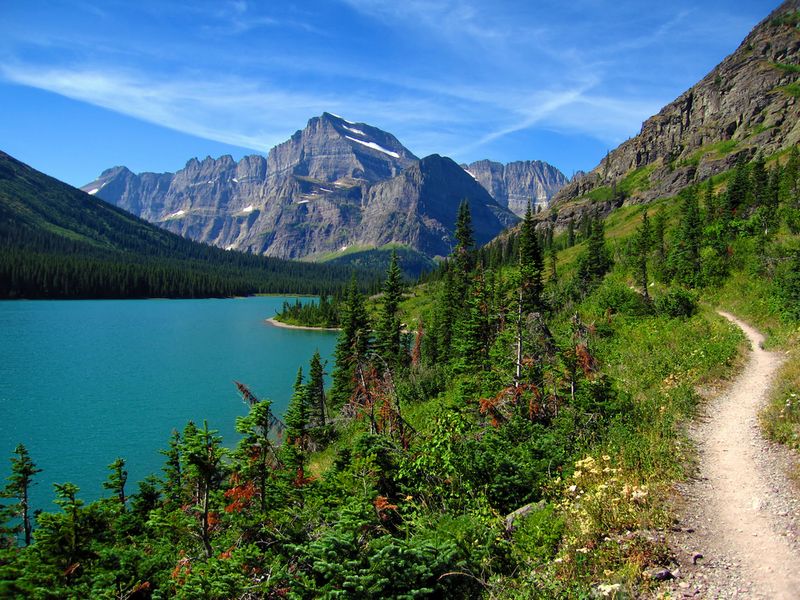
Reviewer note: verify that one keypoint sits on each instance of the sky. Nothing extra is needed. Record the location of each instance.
(86, 85)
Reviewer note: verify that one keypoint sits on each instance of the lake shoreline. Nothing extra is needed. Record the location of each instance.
(275, 323)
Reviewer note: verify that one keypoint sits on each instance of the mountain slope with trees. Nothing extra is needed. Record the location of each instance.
(59, 242)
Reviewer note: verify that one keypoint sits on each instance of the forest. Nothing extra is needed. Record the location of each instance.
(58, 242)
(508, 428)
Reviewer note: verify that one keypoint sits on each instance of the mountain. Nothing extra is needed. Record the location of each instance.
(331, 186)
(515, 184)
(745, 105)
(57, 241)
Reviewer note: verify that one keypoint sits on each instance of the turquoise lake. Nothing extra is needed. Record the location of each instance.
(84, 382)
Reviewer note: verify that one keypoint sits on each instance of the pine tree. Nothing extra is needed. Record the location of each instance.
(596, 261)
(759, 179)
(710, 201)
(530, 265)
(689, 238)
(474, 329)
(173, 481)
(570, 234)
(296, 441)
(465, 244)
(553, 264)
(317, 409)
(388, 333)
(255, 454)
(116, 480)
(353, 344)
(202, 454)
(19, 483)
(738, 189)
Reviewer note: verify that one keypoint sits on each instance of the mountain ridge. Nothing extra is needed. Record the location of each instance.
(747, 103)
(321, 191)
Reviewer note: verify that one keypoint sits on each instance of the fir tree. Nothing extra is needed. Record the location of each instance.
(255, 453)
(317, 409)
(173, 481)
(474, 329)
(686, 257)
(18, 487)
(352, 346)
(465, 244)
(203, 453)
(738, 189)
(596, 261)
(296, 442)
(116, 480)
(388, 337)
(530, 265)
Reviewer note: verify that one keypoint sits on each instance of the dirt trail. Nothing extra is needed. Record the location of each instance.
(741, 511)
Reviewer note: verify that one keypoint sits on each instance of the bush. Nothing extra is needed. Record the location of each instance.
(619, 298)
(677, 302)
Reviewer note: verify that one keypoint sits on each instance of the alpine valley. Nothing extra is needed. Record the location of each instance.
(335, 186)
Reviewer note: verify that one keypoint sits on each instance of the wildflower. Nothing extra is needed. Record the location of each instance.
(608, 589)
(583, 550)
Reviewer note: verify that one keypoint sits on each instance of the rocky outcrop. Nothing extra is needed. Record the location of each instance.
(515, 184)
(330, 186)
(421, 204)
(748, 103)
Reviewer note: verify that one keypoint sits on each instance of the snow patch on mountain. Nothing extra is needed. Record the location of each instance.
(374, 146)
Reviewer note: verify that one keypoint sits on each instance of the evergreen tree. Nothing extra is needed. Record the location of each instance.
(473, 339)
(296, 441)
(202, 454)
(173, 480)
(116, 480)
(738, 189)
(710, 201)
(530, 265)
(686, 256)
(255, 453)
(388, 337)
(570, 233)
(352, 346)
(465, 244)
(317, 409)
(596, 261)
(553, 264)
(759, 180)
(19, 483)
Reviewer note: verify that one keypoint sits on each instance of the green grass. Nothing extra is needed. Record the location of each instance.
(792, 89)
(786, 67)
(716, 150)
(637, 180)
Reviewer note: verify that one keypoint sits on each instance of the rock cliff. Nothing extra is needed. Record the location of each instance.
(515, 184)
(748, 103)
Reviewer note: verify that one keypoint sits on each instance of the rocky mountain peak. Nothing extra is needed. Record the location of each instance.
(518, 183)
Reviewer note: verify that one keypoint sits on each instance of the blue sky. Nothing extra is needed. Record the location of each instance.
(87, 85)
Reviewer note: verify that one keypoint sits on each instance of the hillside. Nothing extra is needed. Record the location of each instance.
(61, 242)
(745, 105)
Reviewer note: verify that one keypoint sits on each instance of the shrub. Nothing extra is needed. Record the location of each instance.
(677, 302)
